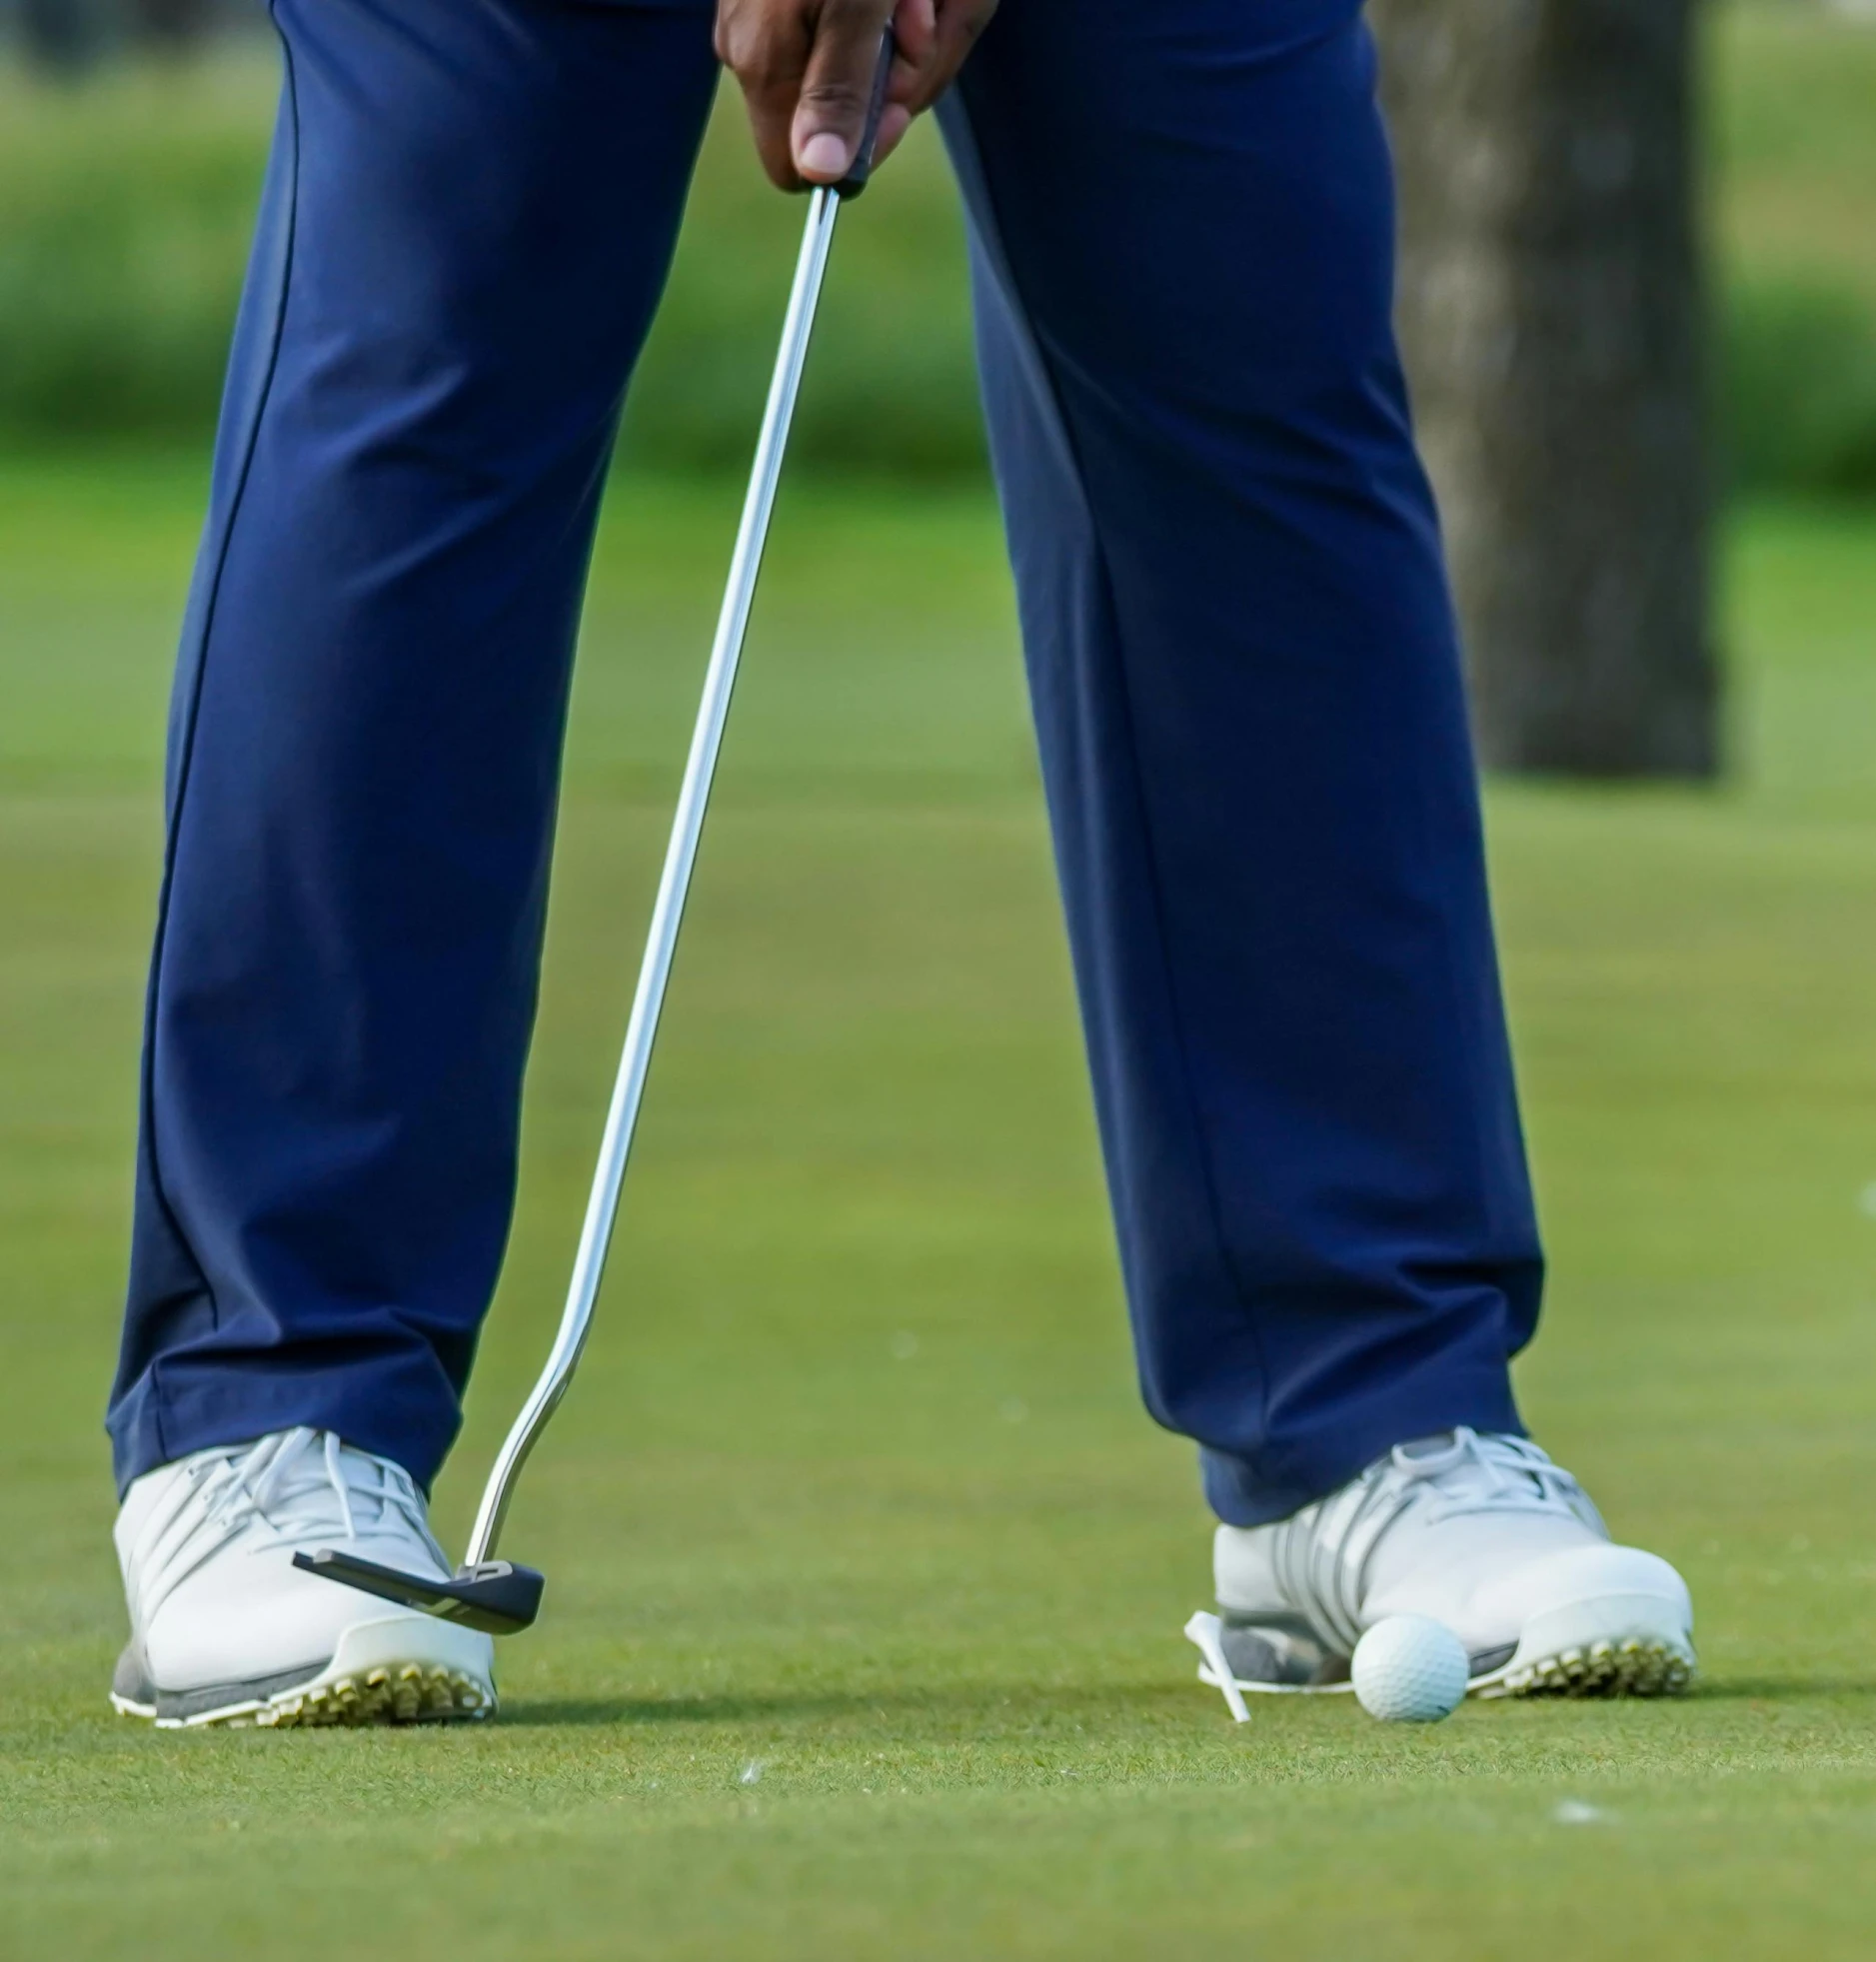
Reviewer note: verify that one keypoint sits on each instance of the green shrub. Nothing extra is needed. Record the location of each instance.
(124, 213)
(1797, 387)
(125, 208)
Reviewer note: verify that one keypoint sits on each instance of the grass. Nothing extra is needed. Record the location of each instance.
(867, 1573)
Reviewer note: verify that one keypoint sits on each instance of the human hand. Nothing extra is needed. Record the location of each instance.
(807, 66)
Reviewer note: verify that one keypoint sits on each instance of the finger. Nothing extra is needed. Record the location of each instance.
(915, 34)
(836, 89)
(957, 23)
(769, 57)
(892, 126)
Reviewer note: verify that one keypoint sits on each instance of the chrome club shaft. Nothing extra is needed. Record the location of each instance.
(673, 886)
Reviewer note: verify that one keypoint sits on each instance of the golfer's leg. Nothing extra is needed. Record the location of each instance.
(1255, 741)
(467, 223)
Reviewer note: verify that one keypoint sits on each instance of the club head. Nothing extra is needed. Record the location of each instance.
(496, 1597)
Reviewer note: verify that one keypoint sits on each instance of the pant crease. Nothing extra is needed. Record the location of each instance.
(990, 233)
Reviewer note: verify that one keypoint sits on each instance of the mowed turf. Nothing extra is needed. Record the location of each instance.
(866, 1573)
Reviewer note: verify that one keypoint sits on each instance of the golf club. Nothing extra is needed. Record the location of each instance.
(496, 1595)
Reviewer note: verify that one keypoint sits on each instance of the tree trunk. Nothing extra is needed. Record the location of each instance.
(171, 25)
(1552, 310)
(61, 37)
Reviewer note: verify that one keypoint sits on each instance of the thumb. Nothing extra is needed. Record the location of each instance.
(836, 89)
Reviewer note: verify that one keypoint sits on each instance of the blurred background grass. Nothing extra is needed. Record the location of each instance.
(125, 206)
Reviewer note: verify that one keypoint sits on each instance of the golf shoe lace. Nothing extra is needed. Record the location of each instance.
(1324, 1555)
(296, 1488)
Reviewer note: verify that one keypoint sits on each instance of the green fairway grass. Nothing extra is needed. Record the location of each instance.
(866, 1573)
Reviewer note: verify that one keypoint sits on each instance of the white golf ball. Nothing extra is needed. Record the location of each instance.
(1411, 1669)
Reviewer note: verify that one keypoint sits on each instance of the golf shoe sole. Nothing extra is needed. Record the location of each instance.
(407, 1669)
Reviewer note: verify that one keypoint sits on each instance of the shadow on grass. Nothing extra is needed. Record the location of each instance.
(979, 1703)
(1780, 1689)
(997, 1707)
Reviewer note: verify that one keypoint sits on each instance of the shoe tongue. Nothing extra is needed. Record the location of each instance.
(1462, 1464)
(1451, 1462)
(304, 1498)
(300, 1489)
(1426, 1449)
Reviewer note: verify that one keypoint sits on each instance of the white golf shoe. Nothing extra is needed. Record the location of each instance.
(1482, 1533)
(225, 1629)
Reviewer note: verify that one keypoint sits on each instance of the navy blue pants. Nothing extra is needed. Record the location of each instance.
(1240, 650)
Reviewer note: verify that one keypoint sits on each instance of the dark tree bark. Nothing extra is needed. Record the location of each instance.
(171, 25)
(67, 37)
(61, 37)
(1553, 315)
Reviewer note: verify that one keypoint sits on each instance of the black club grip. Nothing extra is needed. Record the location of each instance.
(856, 178)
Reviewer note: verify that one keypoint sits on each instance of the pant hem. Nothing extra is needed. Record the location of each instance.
(148, 1433)
(1242, 1494)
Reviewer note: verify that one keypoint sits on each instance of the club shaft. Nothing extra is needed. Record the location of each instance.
(673, 886)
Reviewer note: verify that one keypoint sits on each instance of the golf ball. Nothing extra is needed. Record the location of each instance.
(1411, 1669)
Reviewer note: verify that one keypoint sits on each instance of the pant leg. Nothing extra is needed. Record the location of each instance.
(1247, 685)
(469, 216)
